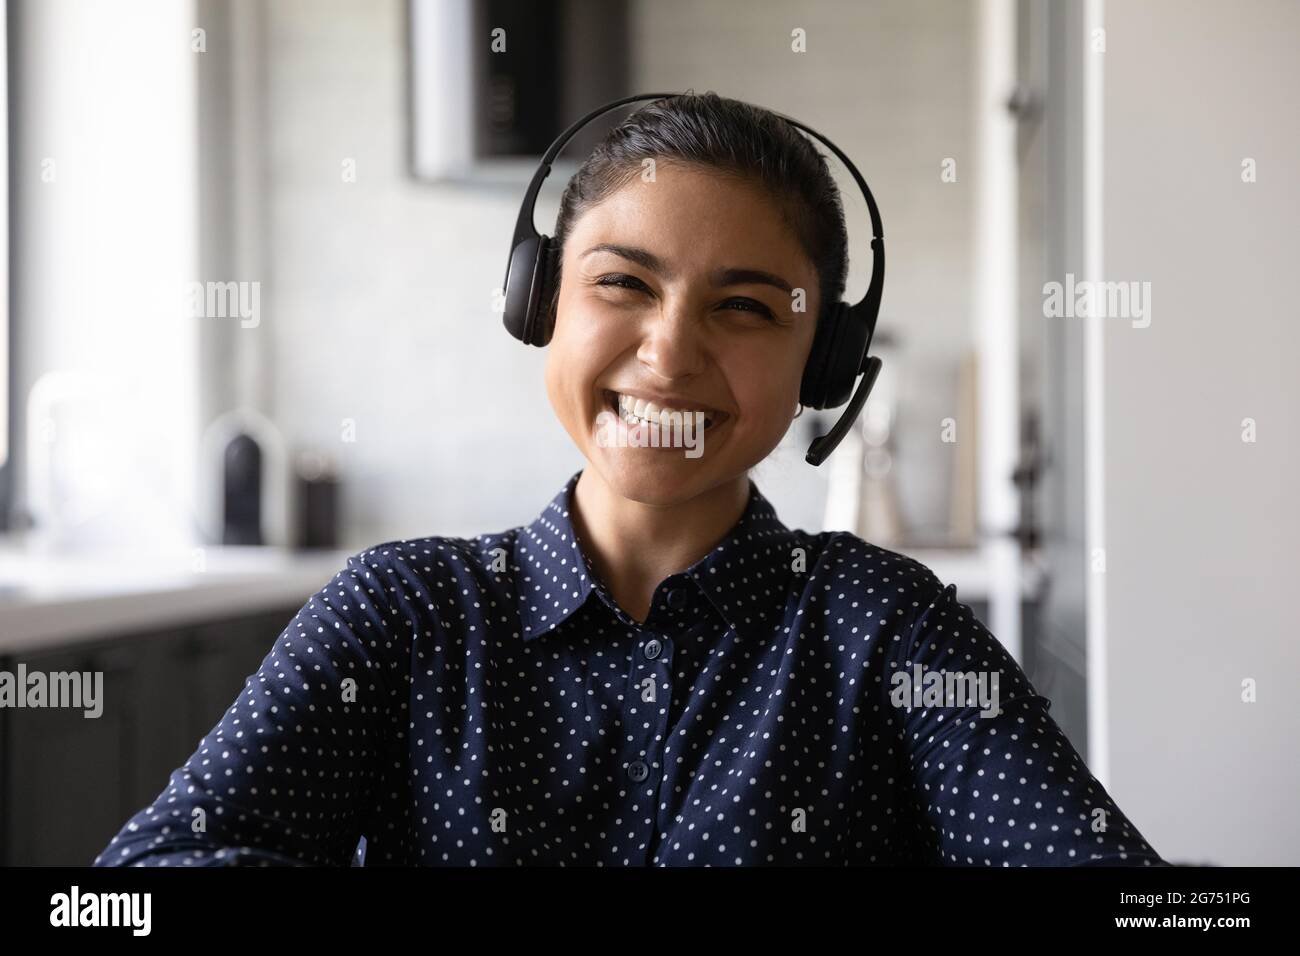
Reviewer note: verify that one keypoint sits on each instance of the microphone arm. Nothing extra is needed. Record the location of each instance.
(823, 445)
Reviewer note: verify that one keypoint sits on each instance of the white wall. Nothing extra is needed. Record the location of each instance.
(1201, 529)
(381, 294)
(378, 293)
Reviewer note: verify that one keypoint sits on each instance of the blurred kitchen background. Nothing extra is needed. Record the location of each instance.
(253, 253)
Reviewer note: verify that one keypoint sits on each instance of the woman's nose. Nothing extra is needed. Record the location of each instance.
(672, 343)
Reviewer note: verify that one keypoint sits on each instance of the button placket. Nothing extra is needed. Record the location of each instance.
(646, 723)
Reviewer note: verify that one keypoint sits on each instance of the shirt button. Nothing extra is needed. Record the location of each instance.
(638, 771)
(653, 649)
(678, 599)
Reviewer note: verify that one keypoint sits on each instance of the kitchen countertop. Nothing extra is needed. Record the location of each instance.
(53, 599)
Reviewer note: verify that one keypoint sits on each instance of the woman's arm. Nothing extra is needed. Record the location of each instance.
(994, 777)
(285, 777)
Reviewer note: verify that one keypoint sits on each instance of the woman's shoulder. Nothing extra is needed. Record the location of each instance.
(437, 558)
(845, 560)
(403, 584)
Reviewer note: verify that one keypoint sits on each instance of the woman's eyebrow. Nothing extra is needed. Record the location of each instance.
(642, 257)
(719, 277)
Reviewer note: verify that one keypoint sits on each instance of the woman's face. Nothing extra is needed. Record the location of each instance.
(688, 293)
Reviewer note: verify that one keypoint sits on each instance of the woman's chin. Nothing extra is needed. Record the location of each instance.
(670, 475)
(655, 476)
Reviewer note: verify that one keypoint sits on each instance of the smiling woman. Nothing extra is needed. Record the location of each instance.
(655, 670)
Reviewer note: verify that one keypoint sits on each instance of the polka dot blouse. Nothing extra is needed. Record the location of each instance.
(790, 699)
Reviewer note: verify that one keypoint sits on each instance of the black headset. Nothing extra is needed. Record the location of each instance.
(839, 350)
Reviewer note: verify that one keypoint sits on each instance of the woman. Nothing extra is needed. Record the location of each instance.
(655, 670)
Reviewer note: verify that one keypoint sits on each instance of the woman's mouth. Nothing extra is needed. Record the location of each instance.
(636, 412)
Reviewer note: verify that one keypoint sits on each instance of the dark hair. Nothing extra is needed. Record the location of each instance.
(738, 139)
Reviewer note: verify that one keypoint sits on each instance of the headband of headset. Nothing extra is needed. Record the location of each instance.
(844, 332)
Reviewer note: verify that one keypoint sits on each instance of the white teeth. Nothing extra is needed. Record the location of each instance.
(649, 412)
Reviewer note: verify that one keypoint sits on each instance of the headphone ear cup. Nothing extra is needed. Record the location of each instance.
(529, 279)
(813, 390)
(520, 278)
(838, 356)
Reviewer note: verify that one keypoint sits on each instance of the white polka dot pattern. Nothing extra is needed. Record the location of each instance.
(485, 702)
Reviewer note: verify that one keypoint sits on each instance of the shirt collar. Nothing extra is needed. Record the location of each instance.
(745, 577)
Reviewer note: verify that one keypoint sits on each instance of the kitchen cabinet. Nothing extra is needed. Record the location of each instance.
(68, 782)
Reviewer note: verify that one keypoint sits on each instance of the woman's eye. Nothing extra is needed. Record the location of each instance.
(748, 305)
(622, 281)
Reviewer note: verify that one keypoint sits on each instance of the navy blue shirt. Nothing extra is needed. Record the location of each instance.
(791, 698)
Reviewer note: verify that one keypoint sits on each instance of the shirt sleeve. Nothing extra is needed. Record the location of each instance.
(284, 778)
(995, 781)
